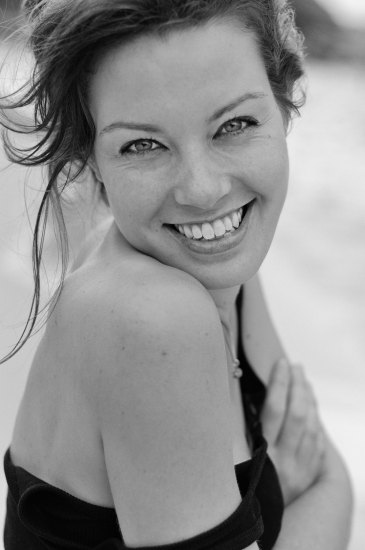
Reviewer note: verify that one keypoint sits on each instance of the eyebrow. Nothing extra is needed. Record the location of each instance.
(233, 104)
(151, 128)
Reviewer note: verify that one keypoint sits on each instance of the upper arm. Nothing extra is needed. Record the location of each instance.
(163, 400)
(261, 341)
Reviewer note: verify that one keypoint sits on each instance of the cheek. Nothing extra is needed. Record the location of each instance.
(280, 170)
(133, 197)
(270, 169)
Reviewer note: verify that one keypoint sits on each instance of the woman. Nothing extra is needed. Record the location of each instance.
(146, 421)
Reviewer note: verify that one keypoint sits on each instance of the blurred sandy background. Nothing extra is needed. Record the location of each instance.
(314, 275)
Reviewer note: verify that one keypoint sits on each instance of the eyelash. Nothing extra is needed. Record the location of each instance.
(250, 121)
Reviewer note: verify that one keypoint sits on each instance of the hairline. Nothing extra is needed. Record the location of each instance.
(164, 31)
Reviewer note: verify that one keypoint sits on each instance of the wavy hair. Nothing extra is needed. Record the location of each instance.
(68, 36)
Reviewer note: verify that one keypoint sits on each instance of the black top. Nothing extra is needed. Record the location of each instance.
(40, 516)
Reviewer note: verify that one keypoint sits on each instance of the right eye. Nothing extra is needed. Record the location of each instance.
(140, 147)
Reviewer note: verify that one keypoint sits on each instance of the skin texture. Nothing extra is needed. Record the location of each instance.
(137, 335)
(192, 170)
(292, 429)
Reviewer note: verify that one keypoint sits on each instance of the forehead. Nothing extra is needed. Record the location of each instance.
(197, 66)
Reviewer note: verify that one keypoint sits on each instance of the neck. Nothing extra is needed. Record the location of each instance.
(225, 299)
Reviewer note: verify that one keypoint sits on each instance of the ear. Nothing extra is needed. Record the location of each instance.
(94, 168)
(96, 174)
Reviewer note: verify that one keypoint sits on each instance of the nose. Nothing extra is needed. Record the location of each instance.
(202, 182)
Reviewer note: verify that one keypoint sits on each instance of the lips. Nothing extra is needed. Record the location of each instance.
(212, 248)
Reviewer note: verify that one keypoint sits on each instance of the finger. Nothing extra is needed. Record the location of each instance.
(274, 410)
(311, 450)
(313, 433)
(299, 405)
(310, 433)
(321, 443)
(311, 395)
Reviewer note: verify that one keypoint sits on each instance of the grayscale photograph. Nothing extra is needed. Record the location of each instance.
(182, 274)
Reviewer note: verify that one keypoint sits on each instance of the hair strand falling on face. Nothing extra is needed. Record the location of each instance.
(68, 37)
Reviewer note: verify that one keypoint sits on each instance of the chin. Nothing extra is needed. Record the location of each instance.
(224, 276)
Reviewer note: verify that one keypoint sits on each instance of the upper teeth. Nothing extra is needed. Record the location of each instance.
(211, 230)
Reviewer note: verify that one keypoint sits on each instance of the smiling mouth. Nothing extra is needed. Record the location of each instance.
(217, 229)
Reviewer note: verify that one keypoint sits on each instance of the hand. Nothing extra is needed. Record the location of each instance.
(292, 428)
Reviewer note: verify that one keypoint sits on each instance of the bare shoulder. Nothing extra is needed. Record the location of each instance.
(103, 301)
(158, 329)
(152, 357)
(124, 318)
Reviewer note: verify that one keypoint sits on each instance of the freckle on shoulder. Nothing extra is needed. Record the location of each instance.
(129, 291)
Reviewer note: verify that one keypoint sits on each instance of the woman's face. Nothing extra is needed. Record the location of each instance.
(189, 140)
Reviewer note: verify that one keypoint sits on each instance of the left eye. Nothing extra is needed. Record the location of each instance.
(236, 126)
(140, 146)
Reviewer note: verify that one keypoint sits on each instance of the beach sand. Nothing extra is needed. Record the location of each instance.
(314, 275)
